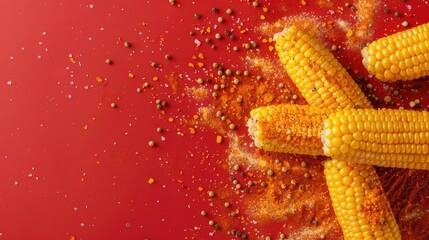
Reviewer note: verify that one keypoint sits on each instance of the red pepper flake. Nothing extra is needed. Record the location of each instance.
(131, 75)
(72, 60)
(192, 130)
(191, 65)
(151, 180)
(99, 79)
(219, 139)
(155, 79)
(200, 189)
(201, 56)
(303, 2)
(85, 127)
(200, 64)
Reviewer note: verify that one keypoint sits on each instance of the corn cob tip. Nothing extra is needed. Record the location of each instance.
(400, 56)
(364, 53)
(279, 34)
(254, 130)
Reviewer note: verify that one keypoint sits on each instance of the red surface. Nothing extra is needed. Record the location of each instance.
(71, 166)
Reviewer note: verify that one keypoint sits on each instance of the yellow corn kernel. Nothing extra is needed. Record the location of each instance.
(394, 138)
(332, 83)
(401, 56)
(281, 128)
(359, 202)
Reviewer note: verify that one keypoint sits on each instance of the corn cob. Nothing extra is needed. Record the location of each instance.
(281, 128)
(386, 137)
(359, 202)
(401, 56)
(320, 78)
(325, 91)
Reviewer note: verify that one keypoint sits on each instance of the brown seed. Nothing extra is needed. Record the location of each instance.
(211, 194)
(127, 44)
(151, 143)
(108, 61)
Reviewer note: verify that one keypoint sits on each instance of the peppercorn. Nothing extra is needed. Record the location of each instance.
(215, 10)
(236, 167)
(229, 11)
(153, 64)
(108, 61)
(197, 15)
(168, 56)
(151, 143)
(211, 194)
(127, 44)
